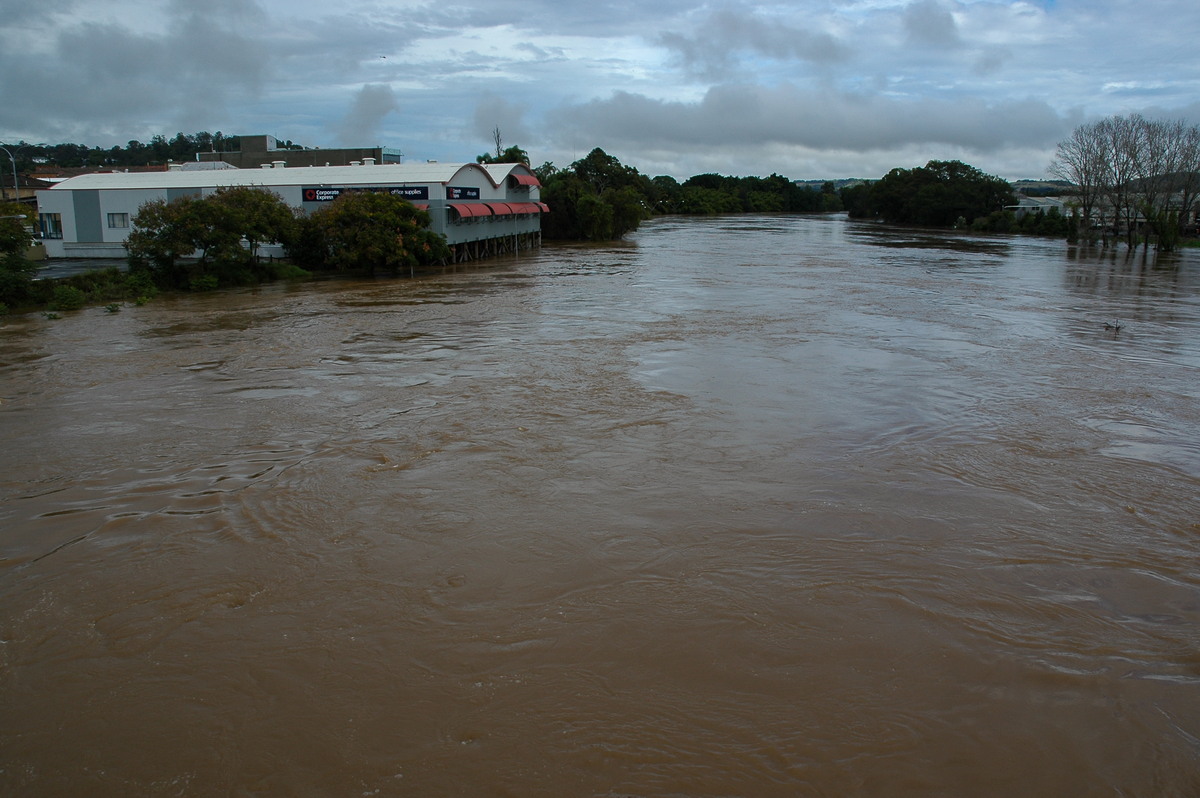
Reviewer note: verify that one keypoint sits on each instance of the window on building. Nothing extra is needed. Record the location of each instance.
(118, 220)
(50, 224)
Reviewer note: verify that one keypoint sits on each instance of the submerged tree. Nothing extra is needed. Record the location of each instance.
(1129, 171)
(938, 194)
(211, 239)
(596, 198)
(16, 271)
(368, 232)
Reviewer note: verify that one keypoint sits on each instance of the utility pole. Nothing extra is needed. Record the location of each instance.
(12, 157)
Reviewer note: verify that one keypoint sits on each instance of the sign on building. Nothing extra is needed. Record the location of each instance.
(325, 194)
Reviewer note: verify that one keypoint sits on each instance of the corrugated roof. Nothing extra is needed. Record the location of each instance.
(378, 174)
(500, 171)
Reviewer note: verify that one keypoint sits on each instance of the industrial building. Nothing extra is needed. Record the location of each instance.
(480, 209)
(254, 151)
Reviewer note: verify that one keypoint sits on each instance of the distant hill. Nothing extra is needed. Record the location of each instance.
(1043, 188)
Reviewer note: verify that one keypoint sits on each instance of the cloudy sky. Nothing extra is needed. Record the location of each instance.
(806, 88)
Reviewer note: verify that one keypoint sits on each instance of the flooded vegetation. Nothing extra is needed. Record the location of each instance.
(763, 505)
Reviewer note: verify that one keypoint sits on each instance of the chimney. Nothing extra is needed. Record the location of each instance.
(368, 161)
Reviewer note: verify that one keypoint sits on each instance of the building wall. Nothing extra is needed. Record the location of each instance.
(258, 150)
(460, 231)
(92, 218)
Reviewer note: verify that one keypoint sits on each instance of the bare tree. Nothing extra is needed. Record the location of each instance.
(1189, 173)
(1131, 171)
(1120, 140)
(499, 142)
(1080, 161)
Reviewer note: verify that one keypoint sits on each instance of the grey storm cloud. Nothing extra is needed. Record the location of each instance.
(928, 24)
(725, 33)
(558, 17)
(118, 78)
(744, 115)
(496, 112)
(365, 117)
(817, 85)
(15, 11)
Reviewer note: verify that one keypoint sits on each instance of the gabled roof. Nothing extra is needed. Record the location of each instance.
(378, 174)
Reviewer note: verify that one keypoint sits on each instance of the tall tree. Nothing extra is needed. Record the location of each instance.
(193, 237)
(938, 194)
(16, 271)
(1137, 173)
(1080, 161)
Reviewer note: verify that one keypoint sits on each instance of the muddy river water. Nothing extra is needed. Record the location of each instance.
(750, 506)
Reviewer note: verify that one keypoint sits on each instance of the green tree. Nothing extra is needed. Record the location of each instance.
(544, 172)
(513, 154)
(602, 171)
(159, 239)
(562, 192)
(201, 239)
(937, 194)
(699, 199)
(257, 215)
(856, 200)
(598, 198)
(665, 194)
(374, 231)
(595, 218)
(16, 271)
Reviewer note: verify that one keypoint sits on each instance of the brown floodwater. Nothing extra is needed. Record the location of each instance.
(749, 506)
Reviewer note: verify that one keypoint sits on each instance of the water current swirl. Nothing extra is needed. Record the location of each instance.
(758, 506)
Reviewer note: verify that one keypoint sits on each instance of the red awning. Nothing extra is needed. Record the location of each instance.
(545, 208)
(466, 210)
(525, 207)
(501, 208)
(525, 180)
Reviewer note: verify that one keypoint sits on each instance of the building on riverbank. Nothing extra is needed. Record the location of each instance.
(254, 151)
(481, 209)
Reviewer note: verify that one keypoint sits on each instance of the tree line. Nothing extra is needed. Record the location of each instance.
(156, 152)
(1128, 174)
(360, 231)
(599, 198)
(1135, 177)
(202, 243)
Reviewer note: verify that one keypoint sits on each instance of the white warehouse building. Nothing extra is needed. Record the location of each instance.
(479, 208)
